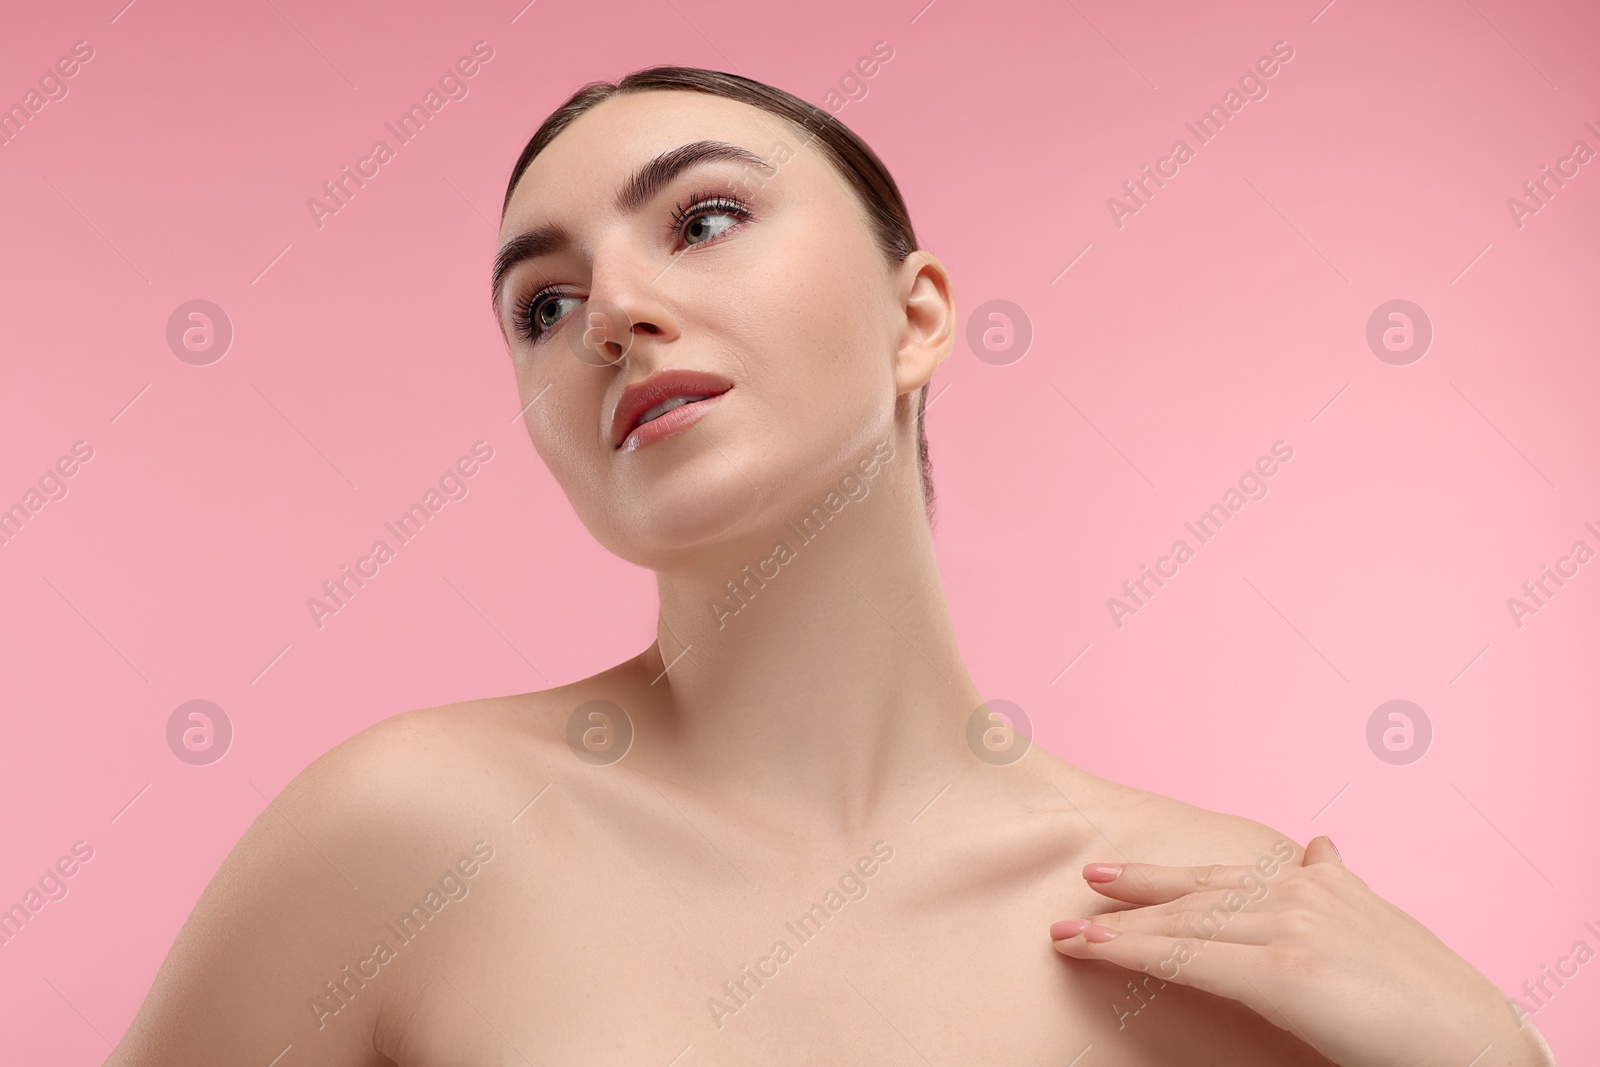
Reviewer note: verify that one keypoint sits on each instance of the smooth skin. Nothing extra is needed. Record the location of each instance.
(1311, 948)
(776, 754)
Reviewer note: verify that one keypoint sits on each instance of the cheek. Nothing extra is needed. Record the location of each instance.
(852, 352)
(564, 422)
(822, 328)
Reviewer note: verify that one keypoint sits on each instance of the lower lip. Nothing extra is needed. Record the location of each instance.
(675, 421)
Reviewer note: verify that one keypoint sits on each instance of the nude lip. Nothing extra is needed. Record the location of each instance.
(660, 386)
(673, 422)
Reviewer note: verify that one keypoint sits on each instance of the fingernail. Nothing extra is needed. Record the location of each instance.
(1095, 932)
(1101, 872)
(1335, 849)
(1067, 928)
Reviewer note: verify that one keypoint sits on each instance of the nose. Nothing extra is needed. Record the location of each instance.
(610, 333)
(625, 306)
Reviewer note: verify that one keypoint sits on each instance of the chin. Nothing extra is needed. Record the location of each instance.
(658, 526)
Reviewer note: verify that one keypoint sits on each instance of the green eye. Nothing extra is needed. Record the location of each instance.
(691, 225)
(535, 315)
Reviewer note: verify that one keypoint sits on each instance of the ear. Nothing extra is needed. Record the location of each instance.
(928, 333)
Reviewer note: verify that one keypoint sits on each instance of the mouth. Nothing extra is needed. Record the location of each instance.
(663, 404)
(668, 418)
(651, 414)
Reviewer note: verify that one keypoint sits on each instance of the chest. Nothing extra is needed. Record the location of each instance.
(888, 960)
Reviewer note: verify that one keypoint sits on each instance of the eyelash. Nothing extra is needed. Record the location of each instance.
(687, 211)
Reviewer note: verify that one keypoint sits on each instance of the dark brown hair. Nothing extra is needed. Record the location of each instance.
(855, 162)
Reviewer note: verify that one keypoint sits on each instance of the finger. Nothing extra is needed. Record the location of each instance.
(1237, 972)
(1216, 922)
(1152, 883)
(1322, 850)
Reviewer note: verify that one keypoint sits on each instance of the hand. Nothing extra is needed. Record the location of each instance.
(1312, 949)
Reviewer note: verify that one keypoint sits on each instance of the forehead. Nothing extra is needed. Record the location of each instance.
(585, 164)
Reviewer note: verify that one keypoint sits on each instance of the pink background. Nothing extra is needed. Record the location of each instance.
(1228, 313)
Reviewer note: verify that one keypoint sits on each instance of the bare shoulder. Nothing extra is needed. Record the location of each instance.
(1140, 826)
(436, 769)
(1137, 826)
(282, 950)
(395, 767)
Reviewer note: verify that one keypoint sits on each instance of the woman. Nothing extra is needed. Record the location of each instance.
(790, 830)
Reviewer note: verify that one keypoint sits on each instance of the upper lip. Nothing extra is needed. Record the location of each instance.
(663, 385)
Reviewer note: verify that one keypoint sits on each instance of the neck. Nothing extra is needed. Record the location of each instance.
(812, 671)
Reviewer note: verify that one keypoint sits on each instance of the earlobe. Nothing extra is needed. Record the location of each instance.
(929, 331)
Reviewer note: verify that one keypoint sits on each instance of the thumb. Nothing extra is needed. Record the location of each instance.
(1321, 850)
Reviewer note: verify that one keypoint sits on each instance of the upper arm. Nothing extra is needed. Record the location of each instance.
(273, 955)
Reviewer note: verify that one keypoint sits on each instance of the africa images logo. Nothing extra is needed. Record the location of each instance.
(738, 991)
(806, 529)
(1252, 485)
(452, 85)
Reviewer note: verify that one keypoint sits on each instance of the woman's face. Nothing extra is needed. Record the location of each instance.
(766, 276)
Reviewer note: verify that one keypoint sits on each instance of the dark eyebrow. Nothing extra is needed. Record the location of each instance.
(635, 192)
